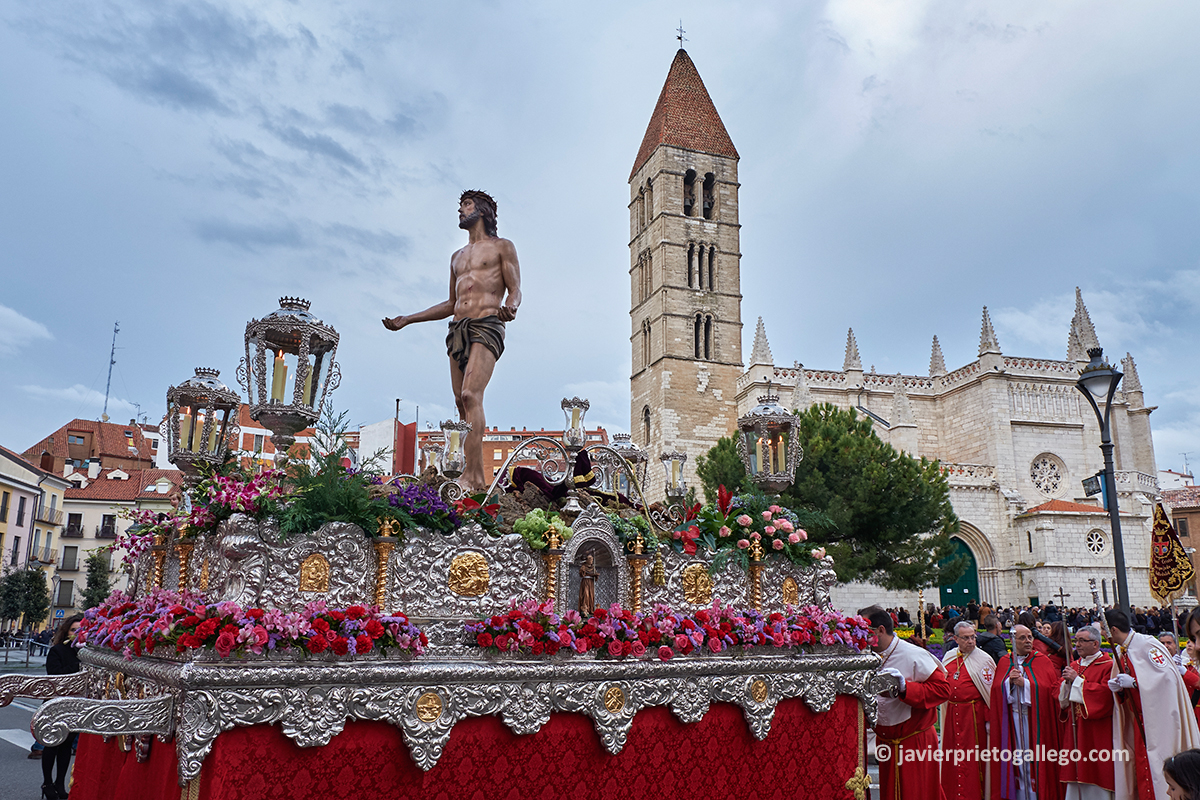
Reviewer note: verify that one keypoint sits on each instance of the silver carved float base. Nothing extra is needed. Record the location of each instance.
(194, 701)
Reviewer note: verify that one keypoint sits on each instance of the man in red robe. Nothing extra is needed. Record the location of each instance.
(1024, 723)
(1154, 718)
(971, 673)
(1089, 726)
(906, 742)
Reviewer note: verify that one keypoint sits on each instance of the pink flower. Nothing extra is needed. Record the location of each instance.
(793, 538)
(614, 648)
(756, 536)
(743, 543)
(803, 534)
(724, 530)
(767, 516)
(260, 635)
(225, 644)
(775, 509)
(681, 642)
(744, 521)
(665, 653)
(770, 529)
(777, 544)
(580, 645)
(784, 524)
(818, 552)
(638, 650)
(714, 644)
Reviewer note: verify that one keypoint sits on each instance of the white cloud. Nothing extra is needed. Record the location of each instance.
(80, 395)
(17, 331)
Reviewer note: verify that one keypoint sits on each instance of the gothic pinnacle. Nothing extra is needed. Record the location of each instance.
(852, 361)
(937, 364)
(1132, 382)
(988, 343)
(761, 352)
(1082, 336)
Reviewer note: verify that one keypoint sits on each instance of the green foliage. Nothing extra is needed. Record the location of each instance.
(98, 588)
(722, 467)
(11, 589)
(35, 597)
(325, 490)
(533, 527)
(891, 513)
(627, 530)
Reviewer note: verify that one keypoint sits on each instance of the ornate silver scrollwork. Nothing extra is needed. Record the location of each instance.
(57, 718)
(42, 687)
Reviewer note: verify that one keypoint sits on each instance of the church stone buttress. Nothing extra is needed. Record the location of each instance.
(684, 252)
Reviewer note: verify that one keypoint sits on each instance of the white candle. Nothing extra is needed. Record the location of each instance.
(185, 427)
(575, 418)
(674, 473)
(278, 378)
(762, 464)
(454, 443)
(198, 434)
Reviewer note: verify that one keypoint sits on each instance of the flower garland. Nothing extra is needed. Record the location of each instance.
(183, 622)
(735, 523)
(532, 627)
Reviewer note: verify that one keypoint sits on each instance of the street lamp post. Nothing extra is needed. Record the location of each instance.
(1098, 381)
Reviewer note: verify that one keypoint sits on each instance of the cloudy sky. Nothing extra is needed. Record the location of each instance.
(178, 166)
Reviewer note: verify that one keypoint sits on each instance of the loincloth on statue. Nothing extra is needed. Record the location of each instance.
(487, 331)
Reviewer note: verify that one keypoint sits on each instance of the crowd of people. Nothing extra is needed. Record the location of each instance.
(1045, 703)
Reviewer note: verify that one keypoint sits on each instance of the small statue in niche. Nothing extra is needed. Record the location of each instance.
(587, 585)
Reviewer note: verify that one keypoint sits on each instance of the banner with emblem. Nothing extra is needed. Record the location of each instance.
(1170, 568)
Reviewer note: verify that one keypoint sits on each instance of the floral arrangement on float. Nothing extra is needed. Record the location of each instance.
(532, 628)
(734, 525)
(173, 623)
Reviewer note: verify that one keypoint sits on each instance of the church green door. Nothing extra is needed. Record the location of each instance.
(966, 588)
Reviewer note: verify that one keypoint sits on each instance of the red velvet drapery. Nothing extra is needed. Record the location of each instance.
(806, 755)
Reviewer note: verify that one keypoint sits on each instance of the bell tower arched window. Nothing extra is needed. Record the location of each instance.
(646, 343)
(712, 268)
(710, 183)
(649, 202)
(691, 266)
(697, 335)
(641, 210)
(700, 267)
(689, 193)
(646, 424)
(708, 338)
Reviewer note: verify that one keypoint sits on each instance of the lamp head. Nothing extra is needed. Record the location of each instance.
(1098, 377)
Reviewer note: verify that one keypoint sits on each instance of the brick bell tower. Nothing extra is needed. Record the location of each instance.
(684, 254)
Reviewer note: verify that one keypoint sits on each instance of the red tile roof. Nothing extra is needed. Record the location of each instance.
(685, 117)
(1185, 497)
(102, 487)
(25, 463)
(1055, 506)
(108, 439)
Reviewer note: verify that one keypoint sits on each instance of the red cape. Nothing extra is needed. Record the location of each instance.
(1044, 733)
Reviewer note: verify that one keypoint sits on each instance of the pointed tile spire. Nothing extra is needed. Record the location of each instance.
(761, 353)
(684, 117)
(901, 408)
(988, 343)
(937, 364)
(1131, 382)
(852, 360)
(1083, 333)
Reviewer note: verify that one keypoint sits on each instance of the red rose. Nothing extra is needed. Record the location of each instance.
(484, 640)
(356, 612)
(614, 648)
(317, 644)
(341, 646)
(637, 649)
(374, 628)
(255, 613)
(320, 625)
(665, 653)
(225, 644)
(363, 643)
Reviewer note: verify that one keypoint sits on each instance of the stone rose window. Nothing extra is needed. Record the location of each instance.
(1096, 543)
(1049, 474)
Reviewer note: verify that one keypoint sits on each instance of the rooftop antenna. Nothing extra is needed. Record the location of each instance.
(112, 359)
(1186, 471)
(680, 36)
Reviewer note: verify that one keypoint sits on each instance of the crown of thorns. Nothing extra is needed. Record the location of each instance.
(476, 194)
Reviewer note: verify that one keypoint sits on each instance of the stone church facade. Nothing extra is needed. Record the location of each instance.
(1014, 436)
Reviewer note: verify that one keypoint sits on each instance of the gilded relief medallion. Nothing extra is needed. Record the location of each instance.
(614, 699)
(468, 574)
(697, 585)
(790, 592)
(758, 691)
(429, 707)
(314, 574)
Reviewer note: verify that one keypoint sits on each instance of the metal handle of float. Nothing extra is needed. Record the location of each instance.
(56, 719)
(41, 687)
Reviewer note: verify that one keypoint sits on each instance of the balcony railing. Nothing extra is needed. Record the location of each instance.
(106, 531)
(73, 532)
(46, 555)
(49, 516)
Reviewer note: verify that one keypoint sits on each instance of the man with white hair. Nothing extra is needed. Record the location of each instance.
(1089, 701)
(964, 716)
(1024, 717)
